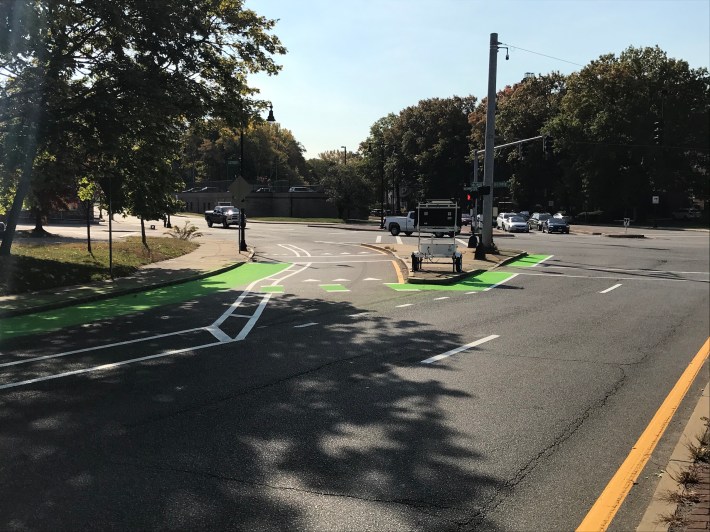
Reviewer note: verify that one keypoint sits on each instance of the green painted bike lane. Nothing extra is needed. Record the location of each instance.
(52, 320)
(475, 283)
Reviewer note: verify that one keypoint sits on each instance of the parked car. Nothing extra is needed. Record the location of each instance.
(537, 219)
(515, 224)
(563, 215)
(686, 213)
(263, 189)
(501, 218)
(555, 225)
(300, 189)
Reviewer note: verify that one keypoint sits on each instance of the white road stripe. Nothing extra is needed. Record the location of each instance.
(372, 279)
(359, 314)
(257, 314)
(341, 280)
(405, 305)
(399, 239)
(615, 277)
(107, 366)
(311, 324)
(503, 281)
(610, 289)
(543, 260)
(440, 298)
(378, 240)
(459, 349)
(219, 333)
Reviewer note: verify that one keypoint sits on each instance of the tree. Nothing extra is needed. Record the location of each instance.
(604, 132)
(106, 65)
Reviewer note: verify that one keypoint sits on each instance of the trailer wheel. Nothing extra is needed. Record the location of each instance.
(394, 229)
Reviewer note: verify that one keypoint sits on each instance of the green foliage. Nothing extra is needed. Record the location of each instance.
(187, 232)
(103, 90)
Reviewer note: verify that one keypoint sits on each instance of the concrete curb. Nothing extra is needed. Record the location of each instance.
(680, 460)
(403, 268)
(122, 291)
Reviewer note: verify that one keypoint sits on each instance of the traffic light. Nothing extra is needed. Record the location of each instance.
(658, 132)
(548, 143)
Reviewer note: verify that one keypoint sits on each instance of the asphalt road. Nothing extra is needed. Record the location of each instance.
(297, 397)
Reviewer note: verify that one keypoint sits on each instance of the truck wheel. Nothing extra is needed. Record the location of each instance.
(394, 229)
(408, 233)
(225, 224)
(209, 223)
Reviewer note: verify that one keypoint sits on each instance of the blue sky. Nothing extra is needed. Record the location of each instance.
(350, 63)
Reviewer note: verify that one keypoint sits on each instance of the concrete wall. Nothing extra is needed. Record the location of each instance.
(263, 204)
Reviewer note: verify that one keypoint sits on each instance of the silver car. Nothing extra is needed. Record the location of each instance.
(516, 224)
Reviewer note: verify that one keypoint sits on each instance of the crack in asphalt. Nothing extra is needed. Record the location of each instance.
(425, 507)
(572, 427)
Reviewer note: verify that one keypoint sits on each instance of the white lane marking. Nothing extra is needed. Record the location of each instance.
(340, 280)
(327, 253)
(459, 349)
(610, 289)
(372, 279)
(219, 333)
(462, 242)
(311, 324)
(346, 253)
(616, 277)
(609, 269)
(359, 314)
(257, 314)
(405, 305)
(440, 298)
(288, 248)
(96, 348)
(305, 253)
(107, 366)
(364, 253)
(399, 239)
(357, 260)
(378, 240)
(469, 293)
(543, 260)
(311, 281)
(503, 281)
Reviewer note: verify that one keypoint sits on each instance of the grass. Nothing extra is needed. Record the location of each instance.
(40, 266)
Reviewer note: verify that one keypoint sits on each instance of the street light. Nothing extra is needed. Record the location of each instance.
(345, 155)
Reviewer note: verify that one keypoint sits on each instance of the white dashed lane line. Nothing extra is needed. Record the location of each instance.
(436, 358)
(610, 289)
(311, 324)
(405, 305)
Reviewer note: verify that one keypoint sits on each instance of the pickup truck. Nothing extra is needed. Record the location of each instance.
(223, 214)
(408, 224)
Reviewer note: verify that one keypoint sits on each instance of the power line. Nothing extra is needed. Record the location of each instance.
(543, 55)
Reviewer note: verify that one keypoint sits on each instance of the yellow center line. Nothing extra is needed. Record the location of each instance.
(400, 277)
(605, 508)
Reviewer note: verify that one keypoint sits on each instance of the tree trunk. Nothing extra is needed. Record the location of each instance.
(23, 188)
(143, 239)
(89, 208)
(38, 230)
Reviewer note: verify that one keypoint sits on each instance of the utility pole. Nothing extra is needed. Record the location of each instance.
(487, 232)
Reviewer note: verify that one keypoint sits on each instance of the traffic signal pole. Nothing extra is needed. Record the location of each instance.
(487, 232)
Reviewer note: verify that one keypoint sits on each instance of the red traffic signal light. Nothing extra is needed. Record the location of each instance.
(468, 197)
